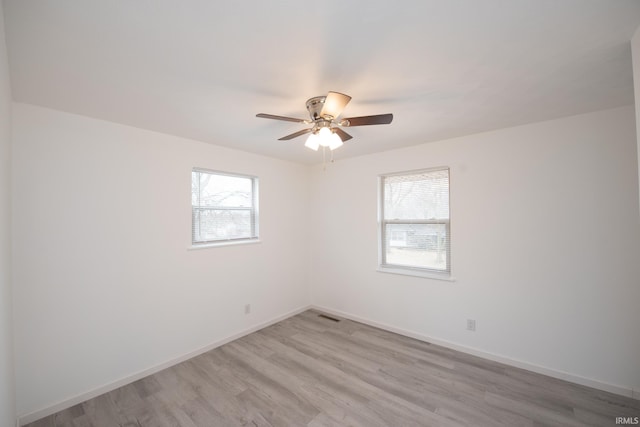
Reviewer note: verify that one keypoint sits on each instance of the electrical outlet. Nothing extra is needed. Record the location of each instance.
(247, 309)
(471, 325)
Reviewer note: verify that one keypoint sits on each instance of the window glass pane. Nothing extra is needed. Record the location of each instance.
(220, 190)
(417, 245)
(417, 196)
(217, 224)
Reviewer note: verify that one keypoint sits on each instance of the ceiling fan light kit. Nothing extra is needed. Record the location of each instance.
(326, 131)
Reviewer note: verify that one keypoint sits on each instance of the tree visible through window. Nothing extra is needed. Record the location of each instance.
(224, 207)
(414, 221)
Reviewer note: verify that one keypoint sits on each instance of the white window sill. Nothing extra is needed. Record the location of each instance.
(223, 243)
(416, 273)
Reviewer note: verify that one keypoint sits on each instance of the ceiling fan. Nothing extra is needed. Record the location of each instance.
(324, 112)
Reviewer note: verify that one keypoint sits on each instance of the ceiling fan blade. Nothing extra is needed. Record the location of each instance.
(334, 104)
(295, 135)
(286, 119)
(342, 134)
(380, 119)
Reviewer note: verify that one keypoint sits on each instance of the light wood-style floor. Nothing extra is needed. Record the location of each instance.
(311, 371)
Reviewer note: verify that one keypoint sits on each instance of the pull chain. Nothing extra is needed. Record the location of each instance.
(324, 159)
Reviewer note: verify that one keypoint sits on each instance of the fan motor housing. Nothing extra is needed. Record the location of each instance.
(314, 106)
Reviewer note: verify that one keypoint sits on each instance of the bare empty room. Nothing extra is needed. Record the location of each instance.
(357, 213)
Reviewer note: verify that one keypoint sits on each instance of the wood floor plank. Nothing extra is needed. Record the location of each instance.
(202, 414)
(82, 421)
(312, 371)
(336, 411)
(533, 410)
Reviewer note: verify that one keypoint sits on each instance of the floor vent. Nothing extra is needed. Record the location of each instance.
(324, 316)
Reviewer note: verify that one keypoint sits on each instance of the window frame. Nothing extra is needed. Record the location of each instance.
(385, 267)
(253, 212)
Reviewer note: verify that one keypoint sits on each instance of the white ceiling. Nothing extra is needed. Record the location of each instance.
(202, 69)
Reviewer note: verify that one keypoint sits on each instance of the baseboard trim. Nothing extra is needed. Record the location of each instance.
(79, 398)
(576, 379)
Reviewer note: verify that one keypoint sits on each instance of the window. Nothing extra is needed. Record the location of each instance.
(414, 223)
(224, 207)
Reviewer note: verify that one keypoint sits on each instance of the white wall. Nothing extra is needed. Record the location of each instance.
(104, 284)
(635, 52)
(7, 387)
(545, 246)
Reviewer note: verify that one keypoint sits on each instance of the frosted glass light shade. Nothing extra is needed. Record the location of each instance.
(334, 141)
(313, 142)
(325, 137)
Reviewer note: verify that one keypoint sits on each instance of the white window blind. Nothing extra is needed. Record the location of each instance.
(415, 228)
(224, 207)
